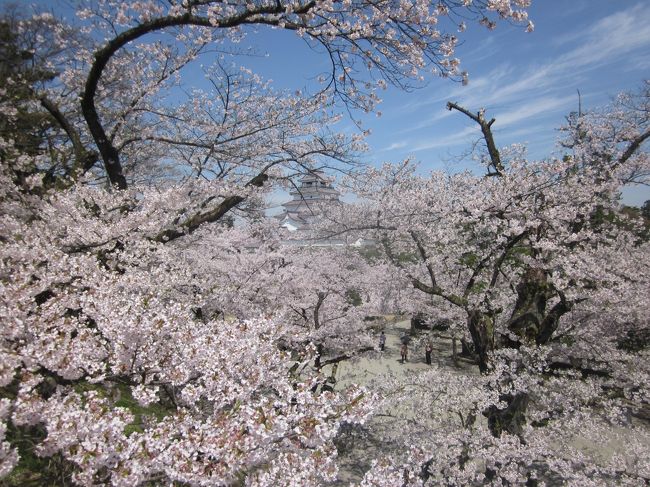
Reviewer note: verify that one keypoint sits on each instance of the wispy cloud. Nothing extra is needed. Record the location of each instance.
(534, 108)
(611, 38)
(451, 140)
(531, 92)
(438, 116)
(621, 36)
(520, 133)
(395, 145)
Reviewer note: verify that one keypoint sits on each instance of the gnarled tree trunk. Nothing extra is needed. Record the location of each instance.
(512, 418)
(481, 328)
(531, 322)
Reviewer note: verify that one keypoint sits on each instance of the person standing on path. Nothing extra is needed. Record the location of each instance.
(404, 351)
(382, 341)
(427, 351)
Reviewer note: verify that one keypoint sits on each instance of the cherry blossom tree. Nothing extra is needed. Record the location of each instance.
(121, 78)
(112, 364)
(321, 294)
(550, 276)
(129, 358)
(139, 343)
(145, 340)
(112, 369)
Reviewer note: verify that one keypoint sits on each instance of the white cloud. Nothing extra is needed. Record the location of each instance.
(610, 39)
(451, 140)
(439, 115)
(519, 133)
(395, 145)
(529, 96)
(537, 107)
(603, 44)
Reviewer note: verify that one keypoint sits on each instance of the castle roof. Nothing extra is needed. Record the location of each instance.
(313, 191)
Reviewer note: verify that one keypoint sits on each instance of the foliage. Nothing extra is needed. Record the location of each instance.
(550, 276)
(157, 329)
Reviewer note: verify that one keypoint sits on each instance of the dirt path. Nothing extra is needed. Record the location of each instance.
(363, 370)
(358, 446)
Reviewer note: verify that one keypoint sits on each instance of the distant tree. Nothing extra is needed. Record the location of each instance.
(43, 141)
(645, 210)
(19, 73)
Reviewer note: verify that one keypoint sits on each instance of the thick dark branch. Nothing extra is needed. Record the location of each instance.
(477, 270)
(108, 152)
(552, 318)
(506, 250)
(438, 291)
(213, 215)
(319, 303)
(433, 290)
(197, 220)
(346, 356)
(84, 159)
(486, 129)
(425, 258)
(636, 143)
(497, 266)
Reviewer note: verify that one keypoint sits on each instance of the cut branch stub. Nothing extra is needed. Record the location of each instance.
(486, 130)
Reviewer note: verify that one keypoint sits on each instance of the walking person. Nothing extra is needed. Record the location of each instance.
(404, 351)
(382, 341)
(427, 351)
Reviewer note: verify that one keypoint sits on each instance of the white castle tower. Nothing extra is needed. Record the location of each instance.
(314, 191)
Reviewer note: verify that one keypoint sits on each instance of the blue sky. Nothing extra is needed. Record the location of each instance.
(527, 81)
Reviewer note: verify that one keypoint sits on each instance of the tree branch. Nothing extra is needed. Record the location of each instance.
(109, 153)
(423, 255)
(438, 291)
(319, 303)
(194, 222)
(486, 129)
(84, 159)
(346, 356)
(636, 143)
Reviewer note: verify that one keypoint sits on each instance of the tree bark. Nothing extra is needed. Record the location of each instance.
(486, 129)
(84, 159)
(481, 328)
(528, 314)
(191, 224)
(512, 418)
(102, 57)
(321, 299)
(531, 321)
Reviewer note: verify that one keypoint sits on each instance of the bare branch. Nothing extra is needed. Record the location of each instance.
(486, 129)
